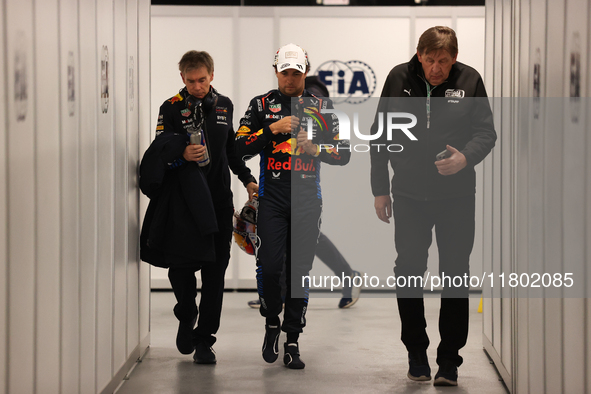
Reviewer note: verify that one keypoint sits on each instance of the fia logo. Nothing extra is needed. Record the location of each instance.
(352, 82)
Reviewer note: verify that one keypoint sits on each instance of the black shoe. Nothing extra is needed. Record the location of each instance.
(418, 366)
(204, 354)
(271, 343)
(292, 358)
(184, 336)
(447, 374)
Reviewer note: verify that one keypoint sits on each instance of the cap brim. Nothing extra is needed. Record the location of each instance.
(287, 65)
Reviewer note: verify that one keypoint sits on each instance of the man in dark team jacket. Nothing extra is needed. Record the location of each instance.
(290, 199)
(188, 223)
(449, 101)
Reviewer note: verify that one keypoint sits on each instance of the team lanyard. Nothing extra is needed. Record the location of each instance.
(429, 90)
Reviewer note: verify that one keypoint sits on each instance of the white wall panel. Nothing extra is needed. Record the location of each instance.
(536, 352)
(69, 181)
(48, 199)
(470, 32)
(132, 187)
(89, 95)
(588, 225)
(144, 138)
(106, 193)
(535, 89)
(120, 110)
(253, 58)
(506, 145)
(487, 216)
(553, 139)
(548, 58)
(21, 196)
(166, 80)
(471, 35)
(496, 222)
(495, 50)
(47, 168)
(522, 119)
(3, 217)
(521, 366)
(575, 83)
(57, 196)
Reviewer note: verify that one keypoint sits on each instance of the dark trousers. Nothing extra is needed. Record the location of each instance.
(453, 220)
(184, 284)
(330, 255)
(281, 229)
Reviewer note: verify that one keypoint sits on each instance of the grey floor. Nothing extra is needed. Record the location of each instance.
(357, 350)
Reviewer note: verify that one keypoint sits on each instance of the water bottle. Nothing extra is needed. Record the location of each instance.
(196, 138)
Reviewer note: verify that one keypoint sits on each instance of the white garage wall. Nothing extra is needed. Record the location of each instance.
(243, 41)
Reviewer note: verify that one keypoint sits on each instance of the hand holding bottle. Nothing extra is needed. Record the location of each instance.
(194, 153)
(197, 150)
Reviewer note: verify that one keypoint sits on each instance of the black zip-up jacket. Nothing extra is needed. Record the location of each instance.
(280, 162)
(174, 117)
(457, 113)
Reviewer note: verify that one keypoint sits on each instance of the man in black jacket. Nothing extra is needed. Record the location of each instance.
(188, 224)
(290, 199)
(453, 115)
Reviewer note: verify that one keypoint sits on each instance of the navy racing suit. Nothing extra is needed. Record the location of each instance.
(290, 198)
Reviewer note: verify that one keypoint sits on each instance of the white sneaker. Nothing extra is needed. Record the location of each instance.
(347, 302)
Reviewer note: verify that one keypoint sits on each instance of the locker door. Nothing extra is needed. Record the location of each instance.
(522, 173)
(553, 144)
(47, 194)
(70, 178)
(3, 217)
(535, 93)
(21, 195)
(106, 192)
(143, 109)
(132, 163)
(574, 76)
(119, 95)
(89, 112)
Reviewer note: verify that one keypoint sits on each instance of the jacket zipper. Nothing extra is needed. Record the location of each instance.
(429, 90)
(428, 105)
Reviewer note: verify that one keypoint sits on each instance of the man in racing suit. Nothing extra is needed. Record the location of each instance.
(188, 224)
(290, 200)
(449, 101)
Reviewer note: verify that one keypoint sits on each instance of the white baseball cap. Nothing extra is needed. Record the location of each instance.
(291, 56)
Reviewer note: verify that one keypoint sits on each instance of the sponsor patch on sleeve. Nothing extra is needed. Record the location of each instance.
(243, 131)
